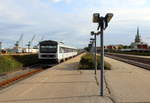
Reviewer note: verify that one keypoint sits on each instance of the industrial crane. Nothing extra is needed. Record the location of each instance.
(30, 43)
(42, 38)
(17, 47)
(37, 46)
(18, 42)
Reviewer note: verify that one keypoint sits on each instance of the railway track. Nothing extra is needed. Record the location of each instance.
(136, 61)
(22, 75)
(35, 69)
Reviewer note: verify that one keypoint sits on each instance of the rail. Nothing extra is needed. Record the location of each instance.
(136, 61)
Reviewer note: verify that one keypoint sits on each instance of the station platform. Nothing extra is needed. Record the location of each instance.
(63, 83)
(128, 83)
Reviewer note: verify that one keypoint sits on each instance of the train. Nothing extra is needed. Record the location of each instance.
(51, 51)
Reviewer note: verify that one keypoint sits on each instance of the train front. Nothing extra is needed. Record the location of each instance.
(48, 51)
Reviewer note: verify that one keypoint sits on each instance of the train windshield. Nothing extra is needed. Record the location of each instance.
(48, 48)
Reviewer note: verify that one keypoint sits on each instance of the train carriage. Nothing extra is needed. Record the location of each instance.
(53, 51)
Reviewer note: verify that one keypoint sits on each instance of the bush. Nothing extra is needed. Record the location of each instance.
(87, 62)
(10, 63)
(27, 60)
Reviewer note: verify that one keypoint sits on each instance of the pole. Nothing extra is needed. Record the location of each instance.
(102, 63)
(102, 25)
(95, 55)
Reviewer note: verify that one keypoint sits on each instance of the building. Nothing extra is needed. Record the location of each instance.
(138, 44)
(114, 47)
(14, 50)
(111, 48)
(30, 50)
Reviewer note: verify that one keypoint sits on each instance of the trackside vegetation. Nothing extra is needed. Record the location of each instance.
(87, 62)
(9, 63)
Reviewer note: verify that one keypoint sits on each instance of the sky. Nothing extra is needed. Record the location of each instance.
(70, 21)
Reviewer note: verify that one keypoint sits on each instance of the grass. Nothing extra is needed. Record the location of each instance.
(9, 63)
(87, 62)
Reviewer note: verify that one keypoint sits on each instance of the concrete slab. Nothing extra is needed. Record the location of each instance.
(128, 83)
(63, 83)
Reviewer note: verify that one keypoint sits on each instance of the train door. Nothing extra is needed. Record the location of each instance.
(61, 53)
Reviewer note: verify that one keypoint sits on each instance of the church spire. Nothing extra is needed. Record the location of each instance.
(137, 38)
(137, 30)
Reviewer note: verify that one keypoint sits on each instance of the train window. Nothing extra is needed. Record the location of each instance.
(48, 46)
(66, 50)
(48, 49)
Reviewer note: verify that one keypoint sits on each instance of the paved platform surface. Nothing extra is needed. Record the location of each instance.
(128, 83)
(63, 83)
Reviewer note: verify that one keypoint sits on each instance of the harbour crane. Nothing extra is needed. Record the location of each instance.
(37, 45)
(17, 44)
(30, 43)
(42, 38)
(17, 47)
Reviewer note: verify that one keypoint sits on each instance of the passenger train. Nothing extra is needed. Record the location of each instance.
(53, 51)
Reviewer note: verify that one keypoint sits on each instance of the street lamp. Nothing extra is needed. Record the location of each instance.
(91, 42)
(94, 54)
(102, 25)
(95, 58)
(92, 39)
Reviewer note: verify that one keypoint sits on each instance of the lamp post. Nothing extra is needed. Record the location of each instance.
(94, 52)
(95, 58)
(91, 46)
(92, 42)
(102, 25)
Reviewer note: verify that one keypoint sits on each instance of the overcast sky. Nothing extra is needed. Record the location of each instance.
(70, 21)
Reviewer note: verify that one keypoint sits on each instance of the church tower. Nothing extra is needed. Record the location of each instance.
(138, 44)
(137, 38)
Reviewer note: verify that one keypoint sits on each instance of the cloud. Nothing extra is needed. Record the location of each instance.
(57, 1)
(9, 11)
(123, 3)
(72, 22)
(7, 42)
(137, 2)
(11, 26)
